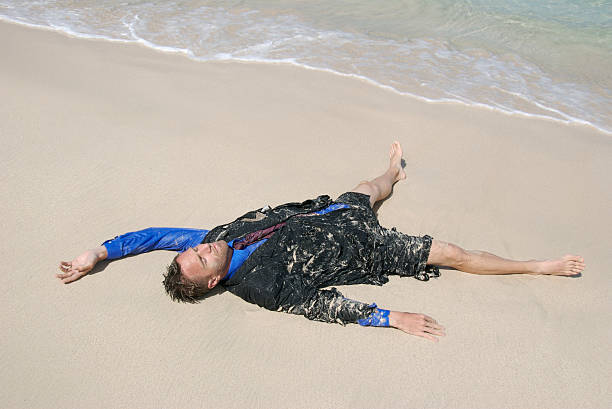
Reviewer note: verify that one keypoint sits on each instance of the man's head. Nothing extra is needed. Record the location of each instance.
(197, 270)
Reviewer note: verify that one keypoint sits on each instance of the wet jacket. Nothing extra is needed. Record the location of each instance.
(292, 269)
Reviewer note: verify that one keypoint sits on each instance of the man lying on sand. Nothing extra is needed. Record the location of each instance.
(281, 258)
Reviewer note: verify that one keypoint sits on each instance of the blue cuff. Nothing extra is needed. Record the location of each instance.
(378, 318)
(113, 248)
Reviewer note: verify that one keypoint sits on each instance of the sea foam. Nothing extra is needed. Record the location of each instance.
(462, 61)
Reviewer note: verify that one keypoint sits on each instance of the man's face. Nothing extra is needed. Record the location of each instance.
(205, 264)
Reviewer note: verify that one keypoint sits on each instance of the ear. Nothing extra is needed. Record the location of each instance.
(213, 282)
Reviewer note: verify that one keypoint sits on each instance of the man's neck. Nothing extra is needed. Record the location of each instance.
(228, 264)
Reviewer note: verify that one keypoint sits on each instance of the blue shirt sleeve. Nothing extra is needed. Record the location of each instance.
(153, 238)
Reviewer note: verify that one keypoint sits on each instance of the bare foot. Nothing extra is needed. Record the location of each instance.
(395, 162)
(568, 265)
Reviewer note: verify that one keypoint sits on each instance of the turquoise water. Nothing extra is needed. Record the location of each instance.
(548, 59)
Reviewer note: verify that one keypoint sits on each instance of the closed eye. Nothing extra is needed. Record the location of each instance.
(203, 261)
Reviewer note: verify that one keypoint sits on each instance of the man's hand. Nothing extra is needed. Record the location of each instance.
(77, 268)
(416, 324)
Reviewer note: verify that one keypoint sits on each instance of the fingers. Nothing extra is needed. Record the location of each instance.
(427, 318)
(70, 273)
(434, 326)
(430, 323)
(429, 328)
(428, 336)
(437, 332)
(70, 276)
(63, 275)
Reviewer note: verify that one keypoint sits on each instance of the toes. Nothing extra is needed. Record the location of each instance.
(574, 268)
(395, 149)
(571, 257)
(577, 266)
(398, 148)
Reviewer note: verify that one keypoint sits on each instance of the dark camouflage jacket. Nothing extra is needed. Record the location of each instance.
(290, 271)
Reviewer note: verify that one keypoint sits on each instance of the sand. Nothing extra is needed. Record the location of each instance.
(102, 138)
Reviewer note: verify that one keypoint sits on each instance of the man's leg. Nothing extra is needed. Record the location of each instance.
(380, 187)
(481, 262)
(451, 255)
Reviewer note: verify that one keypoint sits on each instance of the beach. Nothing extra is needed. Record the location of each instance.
(102, 138)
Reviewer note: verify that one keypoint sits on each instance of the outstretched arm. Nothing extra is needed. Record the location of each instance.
(138, 242)
(331, 306)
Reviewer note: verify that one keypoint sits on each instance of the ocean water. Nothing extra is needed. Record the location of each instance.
(545, 58)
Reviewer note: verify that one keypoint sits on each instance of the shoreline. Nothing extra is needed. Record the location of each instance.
(102, 138)
(570, 120)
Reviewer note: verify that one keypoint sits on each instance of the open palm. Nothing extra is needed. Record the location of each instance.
(77, 268)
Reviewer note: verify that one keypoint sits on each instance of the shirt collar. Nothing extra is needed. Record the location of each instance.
(240, 256)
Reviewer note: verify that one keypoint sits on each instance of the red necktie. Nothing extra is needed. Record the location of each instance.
(256, 236)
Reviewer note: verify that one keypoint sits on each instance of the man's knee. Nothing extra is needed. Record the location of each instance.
(447, 254)
(369, 189)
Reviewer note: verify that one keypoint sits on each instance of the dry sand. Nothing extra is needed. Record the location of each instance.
(101, 138)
